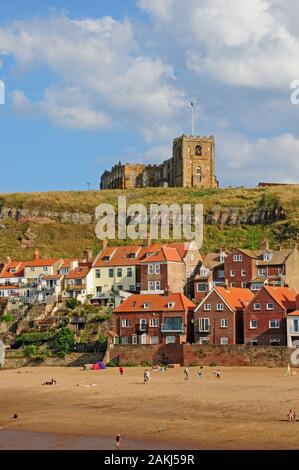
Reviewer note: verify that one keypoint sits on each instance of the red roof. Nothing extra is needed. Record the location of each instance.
(17, 265)
(284, 296)
(67, 262)
(156, 303)
(41, 262)
(164, 254)
(53, 276)
(78, 273)
(293, 314)
(235, 297)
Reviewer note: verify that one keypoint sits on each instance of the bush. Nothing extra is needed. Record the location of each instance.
(72, 303)
(146, 364)
(64, 341)
(8, 318)
(100, 317)
(30, 350)
(33, 338)
(102, 338)
(111, 364)
(213, 364)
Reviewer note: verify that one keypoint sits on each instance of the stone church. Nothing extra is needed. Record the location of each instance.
(192, 165)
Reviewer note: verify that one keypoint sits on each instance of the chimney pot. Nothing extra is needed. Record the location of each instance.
(8, 259)
(104, 244)
(36, 254)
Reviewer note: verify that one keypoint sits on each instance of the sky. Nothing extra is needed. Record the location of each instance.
(89, 83)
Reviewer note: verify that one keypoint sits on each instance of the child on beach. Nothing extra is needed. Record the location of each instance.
(291, 416)
(217, 374)
(121, 370)
(186, 373)
(200, 373)
(146, 376)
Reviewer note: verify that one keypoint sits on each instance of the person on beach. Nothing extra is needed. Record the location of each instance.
(291, 416)
(121, 370)
(186, 373)
(146, 376)
(117, 441)
(200, 372)
(289, 370)
(217, 376)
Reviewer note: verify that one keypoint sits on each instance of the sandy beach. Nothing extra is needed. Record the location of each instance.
(245, 409)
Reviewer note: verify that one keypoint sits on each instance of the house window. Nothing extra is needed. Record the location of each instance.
(238, 258)
(224, 323)
(154, 322)
(267, 257)
(232, 284)
(146, 305)
(170, 339)
(243, 285)
(201, 287)
(274, 342)
(257, 306)
(274, 324)
(98, 273)
(125, 323)
(124, 340)
(232, 272)
(154, 340)
(280, 271)
(150, 269)
(45, 268)
(204, 340)
(207, 307)
(157, 285)
(111, 272)
(151, 285)
(120, 287)
(134, 339)
(224, 341)
(32, 268)
(270, 306)
(262, 272)
(295, 326)
(99, 289)
(198, 172)
(131, 288)
(253, 324)
(221, 274)
(130, 272)
(142, 324)
(243, 272)
(256, 286)
(157, 268)
(119, 272)
(204, 324)
(253, 342)
(219, 307)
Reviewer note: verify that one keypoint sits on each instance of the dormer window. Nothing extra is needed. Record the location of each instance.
(132, 255)
(204, 271)
(12, 270)
(146, 305)
(171, 304)
(106, 258)
(267, 256)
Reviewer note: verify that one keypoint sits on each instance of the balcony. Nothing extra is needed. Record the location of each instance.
(72, 286)
(173, 326)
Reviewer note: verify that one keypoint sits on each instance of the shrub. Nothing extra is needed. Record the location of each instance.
(213, 364)
(111, 364)
(100, 317)
(64, 341)
(8, 318)
(33, 338)
(146, 364)
(72, 303)
(102, 338)
(30, 350)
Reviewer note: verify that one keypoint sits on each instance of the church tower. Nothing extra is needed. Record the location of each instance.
(194, 162)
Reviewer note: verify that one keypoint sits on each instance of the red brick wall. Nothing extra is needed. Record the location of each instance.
(215, 321)
(197, 355)
(263, 333)
(247, 263)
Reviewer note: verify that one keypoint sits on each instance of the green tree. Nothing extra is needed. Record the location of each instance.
(64, 341)
(72, 303)
(30, 350)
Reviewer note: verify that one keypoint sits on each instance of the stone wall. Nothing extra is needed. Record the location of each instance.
(205, 355)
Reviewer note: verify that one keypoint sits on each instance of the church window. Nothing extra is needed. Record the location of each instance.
(198, 150)
(198, 173)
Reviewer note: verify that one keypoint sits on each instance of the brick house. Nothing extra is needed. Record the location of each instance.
(218, 319)
(256, 268)
(265, 316)
(154, 319)
(210, 274)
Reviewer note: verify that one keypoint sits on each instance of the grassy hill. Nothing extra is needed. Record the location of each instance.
(63, 225)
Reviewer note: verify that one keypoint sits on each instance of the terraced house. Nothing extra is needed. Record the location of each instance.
(154, 319)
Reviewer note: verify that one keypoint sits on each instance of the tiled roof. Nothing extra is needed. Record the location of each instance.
(53, 276)
(236, 298)
(18, 265)
(293, 314)
(41, 262)
(78, 273)
(156, 302)
(165, 253)
(284, 296)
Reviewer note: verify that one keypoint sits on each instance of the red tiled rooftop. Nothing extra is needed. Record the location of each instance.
(156, 302)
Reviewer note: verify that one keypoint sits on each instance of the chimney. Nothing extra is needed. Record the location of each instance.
(226, 285)
(166, 291)
(8, 259)
(147, 241)
(265, 244)
(278, 248)
(88, 255)
(297, 302)
(104, 244)
(36, 254)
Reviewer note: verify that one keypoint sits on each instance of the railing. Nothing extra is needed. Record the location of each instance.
(165, 328)
(70, 286)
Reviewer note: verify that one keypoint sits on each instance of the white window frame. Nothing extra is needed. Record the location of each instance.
(224, 323)
(257, 308)
(277, 324)
(224, 341)
(143, 324)
(154, 322)
(157, 269)
(150, 285)
(150, 269)
(170, 339)
(157, 285)
(272, 340)
(201, 284)
(262, 272)
(125, 323)
(130, 272)
(243, 272)
(243, 285)
(232, 273)
(207, 307)
(220, 307)
(204, 325)
(238, 258)
(270, 303)
(154, 339)
(253, 327)
(134, 339)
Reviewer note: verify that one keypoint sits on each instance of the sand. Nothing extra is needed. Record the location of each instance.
(245, 409)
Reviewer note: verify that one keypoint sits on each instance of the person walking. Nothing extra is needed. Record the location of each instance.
(200, 372)
(117, 441)
(121, 370)
(186, 373)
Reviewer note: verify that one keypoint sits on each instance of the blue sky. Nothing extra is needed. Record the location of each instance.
(92, 82)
